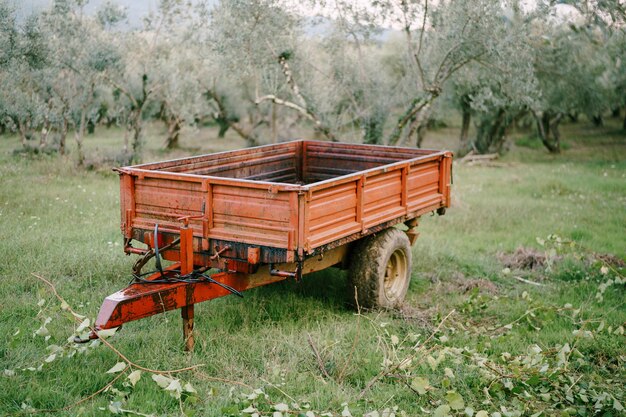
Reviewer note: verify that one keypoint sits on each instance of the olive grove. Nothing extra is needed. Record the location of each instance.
(270, 69)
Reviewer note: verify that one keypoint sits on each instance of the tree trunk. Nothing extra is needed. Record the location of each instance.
(597, 120)
(136, 128)
(23, 129)
(91, 127)
(373, 127)
(173, 133)
(273, 124)
(490, 132)
(616, 113)
(624, 124)
(573, 117)
(79, 135)
(556, 134)
(408, 116)
(464, 143)
(223, 117)
(63, 135)
(224, 126)
(420, 126)
(45, 131)
(126, 141)
(548, 131)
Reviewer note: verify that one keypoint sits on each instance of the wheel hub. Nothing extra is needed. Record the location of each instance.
(395, 275)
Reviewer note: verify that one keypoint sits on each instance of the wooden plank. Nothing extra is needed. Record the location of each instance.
(359, 201)
(293, 221)
(183, 164)
(404, 190)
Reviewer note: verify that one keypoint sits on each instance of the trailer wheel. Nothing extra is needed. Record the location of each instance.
(380, 269)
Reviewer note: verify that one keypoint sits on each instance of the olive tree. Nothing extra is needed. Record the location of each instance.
(349, 76)
(496, 92)
(23, 58)
(439, 42)
(81, 53)
(261, 48)
(177, 66)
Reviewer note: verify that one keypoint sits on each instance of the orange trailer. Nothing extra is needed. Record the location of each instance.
(235, 220)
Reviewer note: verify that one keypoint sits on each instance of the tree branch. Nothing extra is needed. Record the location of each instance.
(289, 104)
(414, 355)
(286, 69)
(320, 362)
(104, 341)
(415, 106)
(419, 45)
(250, 137)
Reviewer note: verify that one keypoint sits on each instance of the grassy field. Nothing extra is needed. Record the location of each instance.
(472, 338)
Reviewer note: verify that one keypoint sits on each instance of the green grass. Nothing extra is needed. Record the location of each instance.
(63, 223)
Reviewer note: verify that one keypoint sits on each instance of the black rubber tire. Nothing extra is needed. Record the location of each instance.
(376, 287)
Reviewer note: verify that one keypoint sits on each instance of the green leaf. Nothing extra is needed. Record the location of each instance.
(134, 377)
(533, 380)
(174, 388)
(420, 385)
(42, 331)
(115, 407)
(432, 362)
(78, 316)
(190, 389)
(82, 326)
(281, 407)
(482, 413)
(442, 411)
(118, 367)
(162, 380)
(455, 400)
(103, 334)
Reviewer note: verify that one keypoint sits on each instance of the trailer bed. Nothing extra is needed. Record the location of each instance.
(291, 200)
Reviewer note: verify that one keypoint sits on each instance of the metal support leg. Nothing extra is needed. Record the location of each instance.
(186, 267)
(187, 315)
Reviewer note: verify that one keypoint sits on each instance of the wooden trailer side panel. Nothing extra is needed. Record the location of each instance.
(225, 211)
(163, 201)
(332, 213)
(326, 160)
(276, 163)
(348, 208)
(254, 216)
(382, 198)
(423, 185)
